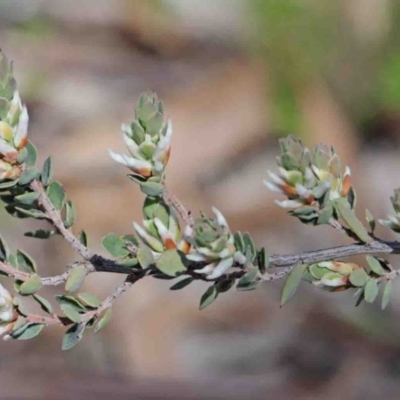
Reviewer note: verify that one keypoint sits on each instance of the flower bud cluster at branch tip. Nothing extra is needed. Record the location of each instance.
(148, 139)
(394, 220)
(331, 275)
(7, 313)
(13, 124)
(161, 230)
(310, 181)
(213, 243)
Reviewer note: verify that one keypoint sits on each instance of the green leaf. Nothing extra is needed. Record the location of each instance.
(71, 313)
(115, 245)
(292, 283)
(75, 279)
(31, 285)
(358, 278)
(28, 176)
(8, 184)
(26, 262)
(224, 285)
(32, 213)
(239, 242)
(263, 260)
(83, 238)
(349, 217)
(248, 281)
(371, 290)
(249, 245)
(104, 320)
(208, 297)
(21, 306)
(27, 331)
(386, 294)
(61, 300)
(40, 234)
(145, 256)
(32, 154)
(69, 214)
(181, 284)
(89, 300)
(27, 198)
(56, 194)
(44, 304)
(152, 188)
(170, 263)
(325, 214)
(47, 172)
(4, 249)
(73, 336)
(371, 220)
(375, 265)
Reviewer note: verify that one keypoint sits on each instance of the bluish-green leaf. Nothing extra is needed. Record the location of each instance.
(103, 321)
(208, 297)
(32, 213)
(32, 154)
(181, 284)
(69, 214)
(170, 263)
(28, 176)
(387, 294)
(89, 300)
(56, 194)
(292, 283)
(75, 279)
(358, 278)
(44, 304)
(73, 336)
(152, 188)
(375, 265)
(115, 245)
(145, 256)
(27, 331)
(47, 172)
(71, 313)
(349, 217)
(27, 198)
(31, 285)
(371, 291)
(26, 262)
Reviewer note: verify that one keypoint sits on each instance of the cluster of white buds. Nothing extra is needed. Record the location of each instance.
(308, 179)
(13, 124)
(148, 139)
(161, 230)
(213, 243)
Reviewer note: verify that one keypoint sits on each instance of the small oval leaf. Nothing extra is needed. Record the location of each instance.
(358, 278)
(170, 263)
(75, 279)
(104, 320)
(387, 294)
(31, 286)
(371, 290)
(292, 283)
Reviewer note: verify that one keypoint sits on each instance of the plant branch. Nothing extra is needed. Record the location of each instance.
(57, 221)
(173, 201)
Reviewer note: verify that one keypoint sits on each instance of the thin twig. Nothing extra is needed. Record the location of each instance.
(109, 300)
(174, 202)
(57, 221)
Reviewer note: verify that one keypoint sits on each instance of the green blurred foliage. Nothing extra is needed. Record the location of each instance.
(304, 41)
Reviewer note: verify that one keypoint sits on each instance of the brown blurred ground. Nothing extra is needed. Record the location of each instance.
(81, 66)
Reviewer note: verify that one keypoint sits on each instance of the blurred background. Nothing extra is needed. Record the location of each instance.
(235, 75)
